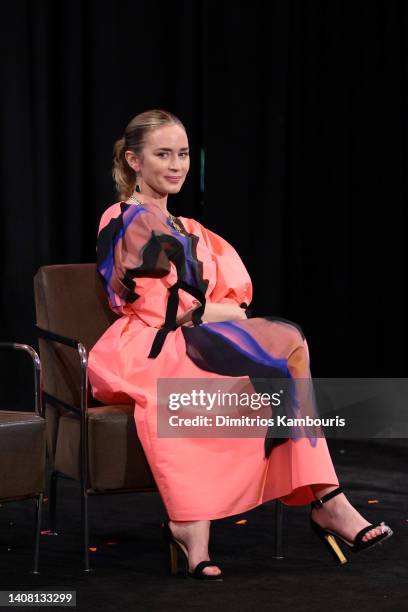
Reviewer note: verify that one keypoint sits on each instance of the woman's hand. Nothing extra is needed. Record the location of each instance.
(213, 313)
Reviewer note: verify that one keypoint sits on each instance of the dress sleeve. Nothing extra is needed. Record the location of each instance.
(233, 284)
(138, 262)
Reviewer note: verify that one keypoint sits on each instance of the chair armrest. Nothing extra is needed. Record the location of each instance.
(38, 403)
(50, 336)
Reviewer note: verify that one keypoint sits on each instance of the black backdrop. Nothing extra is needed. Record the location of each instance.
(301, 108)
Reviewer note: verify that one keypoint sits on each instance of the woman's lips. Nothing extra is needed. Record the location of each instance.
(173, 179)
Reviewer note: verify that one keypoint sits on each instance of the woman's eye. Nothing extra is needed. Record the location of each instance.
(163, 153)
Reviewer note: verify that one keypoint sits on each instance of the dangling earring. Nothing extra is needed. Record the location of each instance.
(137, 188)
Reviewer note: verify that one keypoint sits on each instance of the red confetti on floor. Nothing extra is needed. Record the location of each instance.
(92, 548)
(241, 522)
(373, 501)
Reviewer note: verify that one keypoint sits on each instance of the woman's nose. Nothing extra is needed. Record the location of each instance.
(175, 163)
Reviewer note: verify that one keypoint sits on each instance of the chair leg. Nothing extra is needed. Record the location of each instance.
(53, 503)
(278, 529)
(85, 529)
(38, 512)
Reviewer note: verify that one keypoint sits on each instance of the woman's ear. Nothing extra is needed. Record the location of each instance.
(132, 160)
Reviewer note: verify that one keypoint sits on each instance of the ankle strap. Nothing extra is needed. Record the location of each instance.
(318, 503)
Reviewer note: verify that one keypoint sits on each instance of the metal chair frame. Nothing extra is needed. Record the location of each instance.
(82, 413)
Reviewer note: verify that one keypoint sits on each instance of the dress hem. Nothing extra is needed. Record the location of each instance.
(247, 508)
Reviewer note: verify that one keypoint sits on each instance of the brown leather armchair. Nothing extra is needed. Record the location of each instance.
(92, 443)
(22, 450)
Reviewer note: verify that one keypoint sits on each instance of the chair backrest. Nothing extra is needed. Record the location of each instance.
(69, 300)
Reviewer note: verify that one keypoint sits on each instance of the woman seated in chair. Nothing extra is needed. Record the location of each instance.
(182, 292)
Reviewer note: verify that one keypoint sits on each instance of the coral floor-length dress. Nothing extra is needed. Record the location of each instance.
(153, 274)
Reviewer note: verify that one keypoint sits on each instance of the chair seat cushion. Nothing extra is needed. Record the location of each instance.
(22, 454)
(116, 457)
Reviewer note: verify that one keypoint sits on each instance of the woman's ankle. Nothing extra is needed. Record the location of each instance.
(320, 491)
(187, 523)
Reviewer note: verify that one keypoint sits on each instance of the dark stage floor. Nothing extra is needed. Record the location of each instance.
(130, 564)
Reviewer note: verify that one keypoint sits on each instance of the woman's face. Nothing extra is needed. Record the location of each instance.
(164, 163)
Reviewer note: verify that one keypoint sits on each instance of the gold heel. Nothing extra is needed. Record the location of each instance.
(335, 548)
(330, 541)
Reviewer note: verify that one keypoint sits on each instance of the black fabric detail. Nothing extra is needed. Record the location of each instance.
(152, 266)
(169, 323)
(214, 353)
(171, 314)
(200, 296)
(175, 252)
(202, 283)
(157, 253)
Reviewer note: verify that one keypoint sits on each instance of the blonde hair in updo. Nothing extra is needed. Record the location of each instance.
(133, 139)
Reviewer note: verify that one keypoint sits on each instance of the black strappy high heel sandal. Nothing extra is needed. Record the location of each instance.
(329, 536)
(179, 559)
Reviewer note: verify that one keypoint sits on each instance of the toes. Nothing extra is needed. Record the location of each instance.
(373, 533)
(212, 571)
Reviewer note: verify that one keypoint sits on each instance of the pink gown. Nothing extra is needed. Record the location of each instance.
(152, 273)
